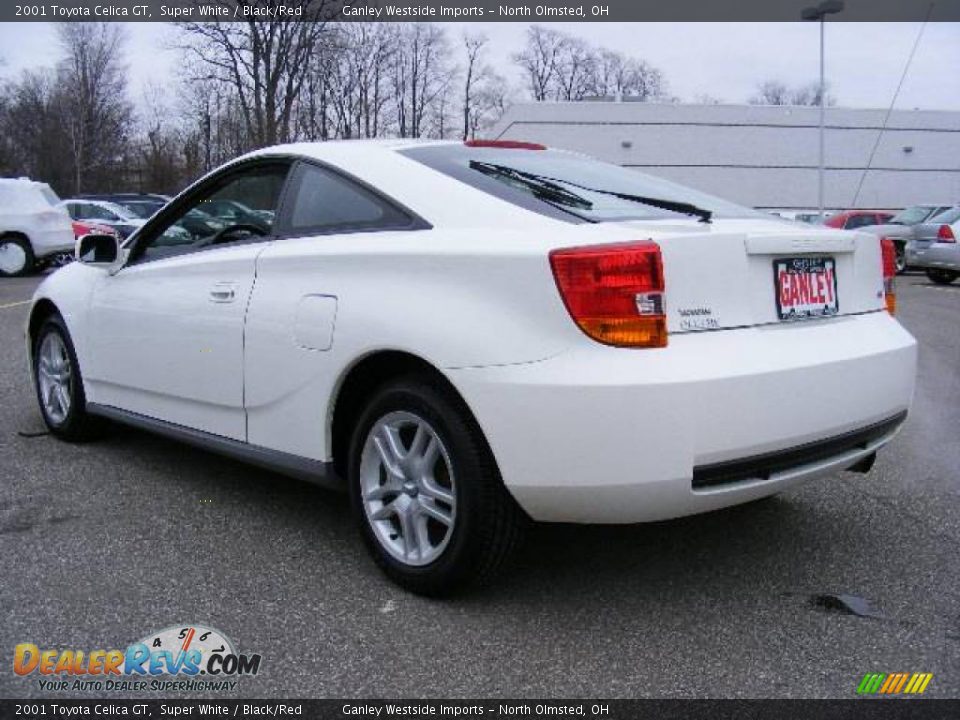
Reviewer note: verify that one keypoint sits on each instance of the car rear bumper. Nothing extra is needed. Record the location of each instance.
(48, 242)
(943, 256)
(605, 435)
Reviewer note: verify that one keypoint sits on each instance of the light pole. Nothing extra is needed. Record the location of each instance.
(820, 12)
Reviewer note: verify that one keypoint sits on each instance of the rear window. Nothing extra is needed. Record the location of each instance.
(946, 218)
(568, 186)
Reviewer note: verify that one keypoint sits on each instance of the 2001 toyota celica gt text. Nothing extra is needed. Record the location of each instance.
(467, 336)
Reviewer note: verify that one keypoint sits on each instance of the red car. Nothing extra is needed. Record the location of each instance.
(84, 227)
(852, 219)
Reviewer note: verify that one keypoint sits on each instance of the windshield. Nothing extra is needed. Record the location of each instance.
(143, 210)
(119, 211)
(911, 215)
(579, 188)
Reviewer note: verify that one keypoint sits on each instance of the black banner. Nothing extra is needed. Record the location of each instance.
(861, 709)
(467, 10)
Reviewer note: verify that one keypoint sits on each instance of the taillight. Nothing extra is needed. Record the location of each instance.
(615, 293)
(889, 253)
(945, 234)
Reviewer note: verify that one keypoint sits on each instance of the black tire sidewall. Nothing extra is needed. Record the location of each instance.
(901, 258)
(71, 427)
(30, 261)
(942, 277)
(467, 456)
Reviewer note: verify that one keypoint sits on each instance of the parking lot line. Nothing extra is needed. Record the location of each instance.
(947, 288)
(14, 304)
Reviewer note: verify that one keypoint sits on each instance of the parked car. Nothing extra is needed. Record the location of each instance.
(900, 228)
(934, 248)
(81, 228)
(103, 212)
(115, 216)
(196, 224)
(854, 219)
(465, 336)
(33, 230)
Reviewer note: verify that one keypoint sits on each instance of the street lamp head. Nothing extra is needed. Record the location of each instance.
(819, 12)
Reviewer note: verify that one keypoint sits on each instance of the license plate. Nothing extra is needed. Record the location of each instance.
(806, 287)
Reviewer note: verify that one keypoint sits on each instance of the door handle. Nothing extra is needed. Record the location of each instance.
(223, 293)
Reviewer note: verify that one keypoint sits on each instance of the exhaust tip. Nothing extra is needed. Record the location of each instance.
(863, 465)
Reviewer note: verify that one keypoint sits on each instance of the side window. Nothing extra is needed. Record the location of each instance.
(240, 207)
(858, 221)
(73, 210)
(323, 201)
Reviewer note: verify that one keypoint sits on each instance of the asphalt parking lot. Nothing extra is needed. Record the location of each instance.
(102, 543)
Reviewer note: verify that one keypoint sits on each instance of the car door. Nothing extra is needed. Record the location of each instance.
(292, 360)
(167, 339)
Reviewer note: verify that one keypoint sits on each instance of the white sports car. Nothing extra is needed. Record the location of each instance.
(469, 335)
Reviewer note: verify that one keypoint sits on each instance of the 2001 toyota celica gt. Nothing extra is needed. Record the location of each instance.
(470, 335)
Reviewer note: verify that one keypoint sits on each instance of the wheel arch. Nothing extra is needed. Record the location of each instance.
(41, 310)
(362, 379)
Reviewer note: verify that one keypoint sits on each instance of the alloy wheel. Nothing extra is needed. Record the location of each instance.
(55, 378)
(407, 488)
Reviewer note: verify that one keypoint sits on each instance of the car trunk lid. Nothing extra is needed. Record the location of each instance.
(727, 274)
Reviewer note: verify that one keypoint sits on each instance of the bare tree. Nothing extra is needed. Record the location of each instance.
(811, 93)
(35, 144)
(562, 67)
(776, 92)
(575, 70)
(421, 75)
(473, 46)
(618, 75)
(265, 63)
(93, 107)
(539, 59)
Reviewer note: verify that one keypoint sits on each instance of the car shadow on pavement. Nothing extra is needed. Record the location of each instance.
(728, 551)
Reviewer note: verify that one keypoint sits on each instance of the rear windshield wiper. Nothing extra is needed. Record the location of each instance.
(671, 205)
(543, 188)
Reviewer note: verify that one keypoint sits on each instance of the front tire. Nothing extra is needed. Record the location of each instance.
(942, 277)
(426, 492)
(16, 256)
(59, 385)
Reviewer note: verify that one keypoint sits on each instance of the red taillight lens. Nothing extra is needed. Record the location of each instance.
(615, 293)
(945, 234)
(889, 254)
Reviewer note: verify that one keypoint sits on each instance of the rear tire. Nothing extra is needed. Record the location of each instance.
(426, 492)
(16, 256)
(942, 277)
(900, 263)
(59, 385)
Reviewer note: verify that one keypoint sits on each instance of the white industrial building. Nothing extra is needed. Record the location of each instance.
(761, 156)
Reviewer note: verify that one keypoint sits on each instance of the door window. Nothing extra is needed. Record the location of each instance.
(239, 207)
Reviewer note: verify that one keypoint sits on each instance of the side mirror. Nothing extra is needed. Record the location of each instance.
(99, 250)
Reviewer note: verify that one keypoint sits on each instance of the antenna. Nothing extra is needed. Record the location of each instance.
(896, 94)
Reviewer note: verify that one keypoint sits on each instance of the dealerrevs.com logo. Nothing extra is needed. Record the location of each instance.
(184, 657)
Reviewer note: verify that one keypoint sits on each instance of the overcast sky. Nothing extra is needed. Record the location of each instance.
(724, 60)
